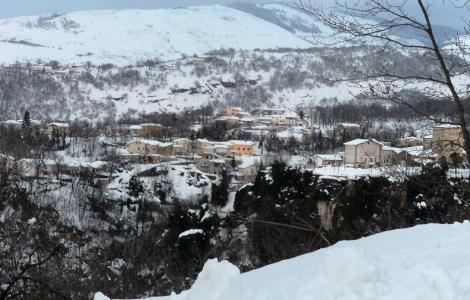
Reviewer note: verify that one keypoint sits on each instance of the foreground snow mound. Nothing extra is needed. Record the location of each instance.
(429, 262)
(218, 280)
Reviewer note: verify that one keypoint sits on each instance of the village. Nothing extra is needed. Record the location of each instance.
(126, 145)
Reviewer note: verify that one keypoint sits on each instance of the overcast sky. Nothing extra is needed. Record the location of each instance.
(442, 13)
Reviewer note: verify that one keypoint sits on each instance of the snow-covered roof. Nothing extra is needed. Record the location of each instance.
(11, 122)
(447, 126)
(151, 125)
(239, 142)
(59, 124)
(330, 157)
(152, 143)
(220, 145)
(394, 149)
(248, 161)
(350, 125)
(135, 127)
(411, 138)
(226, 118)
(362, 141)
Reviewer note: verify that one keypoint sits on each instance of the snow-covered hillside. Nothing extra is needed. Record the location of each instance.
(123, 37)
(424, 262)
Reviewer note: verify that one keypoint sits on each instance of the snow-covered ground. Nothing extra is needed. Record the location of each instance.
(429, 262)
(123, 37)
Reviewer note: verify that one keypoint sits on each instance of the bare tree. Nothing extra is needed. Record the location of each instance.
(445, 64)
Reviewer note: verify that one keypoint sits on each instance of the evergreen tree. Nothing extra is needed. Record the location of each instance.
(220, 192)
(135, 187)
(26, 120)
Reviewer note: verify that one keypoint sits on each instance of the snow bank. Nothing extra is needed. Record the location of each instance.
(218, 280)
(429, 262)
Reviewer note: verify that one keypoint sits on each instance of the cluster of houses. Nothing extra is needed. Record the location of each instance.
(275, 117)
(239, 157)
(209, 156)
(445, 143)
(61, 128)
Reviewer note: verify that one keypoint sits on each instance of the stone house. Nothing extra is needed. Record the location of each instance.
(183, 146)
(363, 153)
(7, 163)
(427, 142)
(135, 130)
(211, 163)
(202, 146)
(151, 130)
(228, 120)
(351, 129)
(60, 128)
(35, 167)
(144, 147)
(410, 141)
(446, 140)
(327, 160)
(392, 155)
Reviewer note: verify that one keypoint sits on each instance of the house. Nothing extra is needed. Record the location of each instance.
(351, 129)
(146, 147)
(151, 130)
(327, 160)
(228, 120)
(11, 124)
(59, 128)
(260, 112)
(447, 140)
(427, 142)
(202, 146)
(247, 121)
(419, 155)
(363, 153)
(247, 169)
(241, 148)
(211, 163)
(232, 111)
(391, 155)
(135, 130)
(35, 167)
(182, 146)
(7, 163)
(243, 114)
(284, 121)
(410, 141)
(117, 130)
(221, 148)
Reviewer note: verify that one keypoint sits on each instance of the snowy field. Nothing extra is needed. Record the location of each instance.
(128, 36)
(429, 262)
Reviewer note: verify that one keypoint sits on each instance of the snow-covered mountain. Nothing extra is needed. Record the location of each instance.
(126, 36)
(424, 262)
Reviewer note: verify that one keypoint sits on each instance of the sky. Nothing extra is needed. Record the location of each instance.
(442, 13)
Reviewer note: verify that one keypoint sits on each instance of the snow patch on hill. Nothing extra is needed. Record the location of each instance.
(424, 262)
(123, 37)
